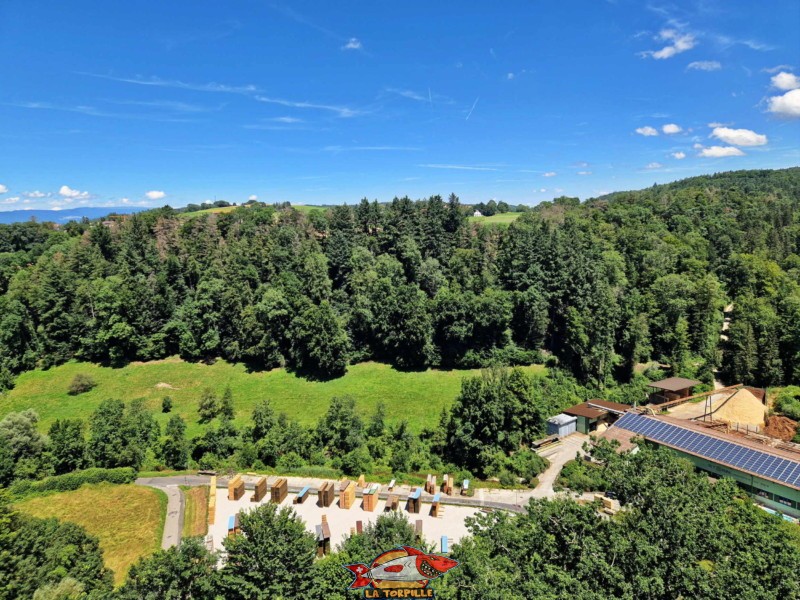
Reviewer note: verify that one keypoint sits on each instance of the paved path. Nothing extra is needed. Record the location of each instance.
(173, 525)
(510, 500)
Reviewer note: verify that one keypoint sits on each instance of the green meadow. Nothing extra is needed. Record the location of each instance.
(502, 219)
(415, 396)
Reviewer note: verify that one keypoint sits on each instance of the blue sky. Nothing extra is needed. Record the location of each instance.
(109, 103)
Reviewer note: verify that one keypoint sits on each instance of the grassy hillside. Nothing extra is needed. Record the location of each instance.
(416, 396)
(503, 219)
(127, 519)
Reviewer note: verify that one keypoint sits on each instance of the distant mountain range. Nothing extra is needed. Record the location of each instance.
(65, 215)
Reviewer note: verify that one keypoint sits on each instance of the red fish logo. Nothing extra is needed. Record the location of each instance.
(402, 567)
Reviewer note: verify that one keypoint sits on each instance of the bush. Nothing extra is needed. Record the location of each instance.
(788, 402)
(508, 479)
(81, 384)
(582, 476)
(166, 404)
(528, 464)
(291, 461)
(74, 480)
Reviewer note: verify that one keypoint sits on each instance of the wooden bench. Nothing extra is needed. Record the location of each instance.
(301, 497)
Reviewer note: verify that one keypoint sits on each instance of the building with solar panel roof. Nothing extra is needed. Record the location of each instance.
(769, 471)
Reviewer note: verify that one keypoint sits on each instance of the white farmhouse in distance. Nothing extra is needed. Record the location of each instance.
(477, 213)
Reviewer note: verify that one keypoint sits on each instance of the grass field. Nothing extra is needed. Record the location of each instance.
(127, 519)
(416, 396)
(503, 219)
(195, 513)
(303, 208)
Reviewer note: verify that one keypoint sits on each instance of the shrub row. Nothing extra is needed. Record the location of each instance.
(72, 481)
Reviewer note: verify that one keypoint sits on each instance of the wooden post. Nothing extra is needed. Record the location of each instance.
(370, 497)
(235, 488)
(260, 490)
(279, 490)
(347, 494)
(212, 499)
(325, 494)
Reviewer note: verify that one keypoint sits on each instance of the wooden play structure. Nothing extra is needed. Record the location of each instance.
(414, 502)
(302, 495)
(430, 484)
(323, 537)
(347, 494)
(370, 497)
(279, 490)
(326, 494)
(465, 491)
(359, 527)
(236, 488)
(447, 485)
(418, 530)
(361, 481)
(435, 505)
(391, 485)
(392, 503)
(212, 499)
(260, 490)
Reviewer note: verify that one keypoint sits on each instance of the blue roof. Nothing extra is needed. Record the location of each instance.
(738, 456)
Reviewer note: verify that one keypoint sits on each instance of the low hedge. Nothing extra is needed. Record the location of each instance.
(72, 481)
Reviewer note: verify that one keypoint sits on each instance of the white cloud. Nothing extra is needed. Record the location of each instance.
(739, 137)
(785, 81)
(679, 42)
(678, 155)
(549, 174)
(125, 200)
(647, 130)
(776, 68)
(459, 167)
(653, 165)
(155, 194)
(714, 124)
(787, 105)
(253, 197)
(671, 128)
(35, 194)
(3, 189)
(704, 65)
(352, 44)
(68, 192)
(342, 111)
(287, 120)
(542, 190)
(11, 200)
(509, 76)
(584, 172)
(718, 151)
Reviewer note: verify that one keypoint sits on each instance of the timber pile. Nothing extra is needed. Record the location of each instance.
(782, 428)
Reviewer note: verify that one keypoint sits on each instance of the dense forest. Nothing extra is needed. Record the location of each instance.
(595, 287)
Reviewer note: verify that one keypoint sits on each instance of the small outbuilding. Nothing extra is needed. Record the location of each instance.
(562, 425)
(672, 388)
(596, 415)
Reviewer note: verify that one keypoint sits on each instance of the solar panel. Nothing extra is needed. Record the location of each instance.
(729, 453)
